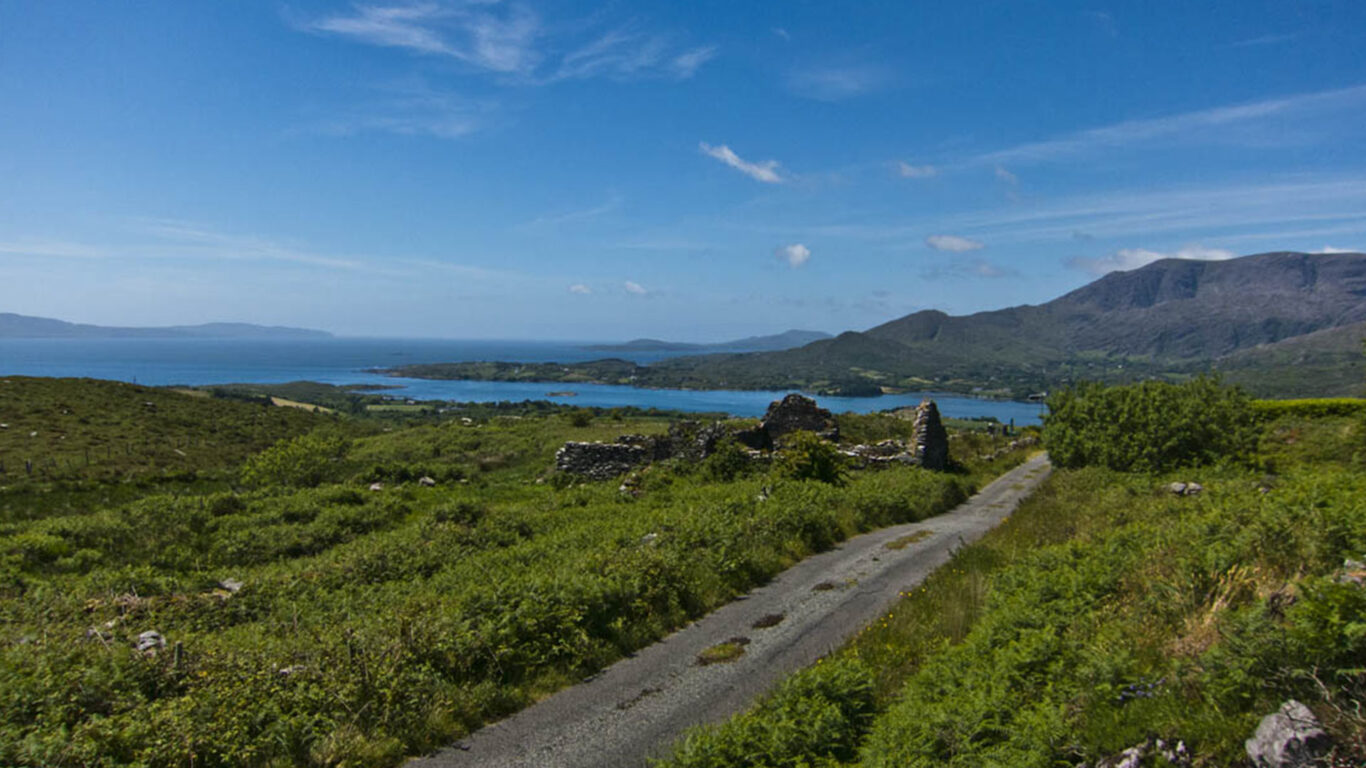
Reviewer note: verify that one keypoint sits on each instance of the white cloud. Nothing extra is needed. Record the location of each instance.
(794, 255)
(1007, 176)
(580, 289)
(1331, 249)
(509, 39)
(767, 171)
(908, 171)
(492, 37)
(836, 83)
(952, 243)
(635, 288)
(1207, 124)
(686, 64)
(1132, 258)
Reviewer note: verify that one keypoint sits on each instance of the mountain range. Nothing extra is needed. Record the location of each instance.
(1280, 323)
(14, 326)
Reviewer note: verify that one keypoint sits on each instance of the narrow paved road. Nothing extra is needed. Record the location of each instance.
(636, 708)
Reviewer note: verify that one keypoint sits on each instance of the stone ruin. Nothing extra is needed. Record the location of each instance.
(929, 439)
(798, 412)
(599, 461)
(929, 446)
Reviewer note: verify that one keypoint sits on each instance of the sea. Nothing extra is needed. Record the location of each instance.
(162, 362)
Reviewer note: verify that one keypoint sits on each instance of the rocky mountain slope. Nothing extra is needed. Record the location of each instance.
(1259, 317)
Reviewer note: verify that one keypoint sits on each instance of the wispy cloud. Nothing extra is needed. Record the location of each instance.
(58, 249)
(634, 288)
(793, 255)
(1133, 258)
(580, 289)
(686, 64)
(1331, 249)
(976, 268)
(411, 109)
(835, 83)
(490, 36)
(908, 171)
(610, 205)
(953, 243)
(1006, 176)
(1262, 40)
(1206, 124)
(510, 40)
(766, 171)
(1198, 210)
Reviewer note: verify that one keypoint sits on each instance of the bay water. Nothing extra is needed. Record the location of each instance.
(160, 362)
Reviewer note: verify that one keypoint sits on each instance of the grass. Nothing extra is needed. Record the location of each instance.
(368, 625)
(723, 653)
(1102, 613)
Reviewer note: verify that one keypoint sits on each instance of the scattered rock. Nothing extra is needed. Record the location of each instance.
(1135, 756)
(1185, 489)
(1352, 572)
(649, 539)
(151, 640)
(426, 482)
(232, 585)
(929, 439)
(1288, 738)
(377, 486)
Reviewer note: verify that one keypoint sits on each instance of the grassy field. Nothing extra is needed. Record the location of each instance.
(1106, 612)
(302, 618)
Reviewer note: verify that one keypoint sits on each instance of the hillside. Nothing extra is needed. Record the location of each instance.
(1259, 317)
(367, 587)
(14, 326)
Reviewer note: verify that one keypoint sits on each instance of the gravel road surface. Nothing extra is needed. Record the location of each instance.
(636, 708)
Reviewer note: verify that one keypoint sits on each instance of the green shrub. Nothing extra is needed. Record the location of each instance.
(726, 463)
(819, 714)
(1149, 427)
(302, 462)
(804, 456)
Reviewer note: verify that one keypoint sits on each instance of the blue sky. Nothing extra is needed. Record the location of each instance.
(697, 171)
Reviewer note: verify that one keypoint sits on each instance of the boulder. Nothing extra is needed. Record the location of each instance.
(599, 461)
(798, 412)
(929, 439)
(426, 482)
(151, 640)
(1288, 738)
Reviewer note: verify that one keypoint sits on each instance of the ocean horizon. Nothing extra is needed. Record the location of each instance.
(345, 360)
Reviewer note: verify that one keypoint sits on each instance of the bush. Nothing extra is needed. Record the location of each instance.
(804, 456)
(303, 462)
(1149, 427)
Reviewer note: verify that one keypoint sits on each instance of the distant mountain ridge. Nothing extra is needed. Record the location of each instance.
(774, 342)
(1171, 317)
(14, 326)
